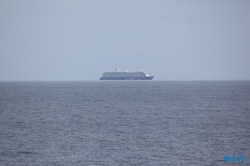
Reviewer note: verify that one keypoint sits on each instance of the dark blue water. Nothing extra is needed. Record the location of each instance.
(124, 123)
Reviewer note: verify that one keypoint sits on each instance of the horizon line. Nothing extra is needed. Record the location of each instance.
(114, 80)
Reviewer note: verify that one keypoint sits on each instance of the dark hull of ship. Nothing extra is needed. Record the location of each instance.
(127, 78)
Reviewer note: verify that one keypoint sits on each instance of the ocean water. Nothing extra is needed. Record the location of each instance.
(124, 123)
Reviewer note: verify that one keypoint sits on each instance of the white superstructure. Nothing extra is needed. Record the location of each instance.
(125, 75)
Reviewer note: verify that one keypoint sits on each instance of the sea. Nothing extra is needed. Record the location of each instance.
(127, 123)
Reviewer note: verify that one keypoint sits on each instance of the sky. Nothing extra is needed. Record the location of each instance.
(78, 40)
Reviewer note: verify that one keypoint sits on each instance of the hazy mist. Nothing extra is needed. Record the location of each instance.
(79, 40)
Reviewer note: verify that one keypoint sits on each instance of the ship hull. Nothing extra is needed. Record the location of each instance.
(127, 78)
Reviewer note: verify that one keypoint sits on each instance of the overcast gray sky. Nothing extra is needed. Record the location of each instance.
(80, 39)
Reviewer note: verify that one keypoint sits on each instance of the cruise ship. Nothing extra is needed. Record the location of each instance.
(125, 75)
